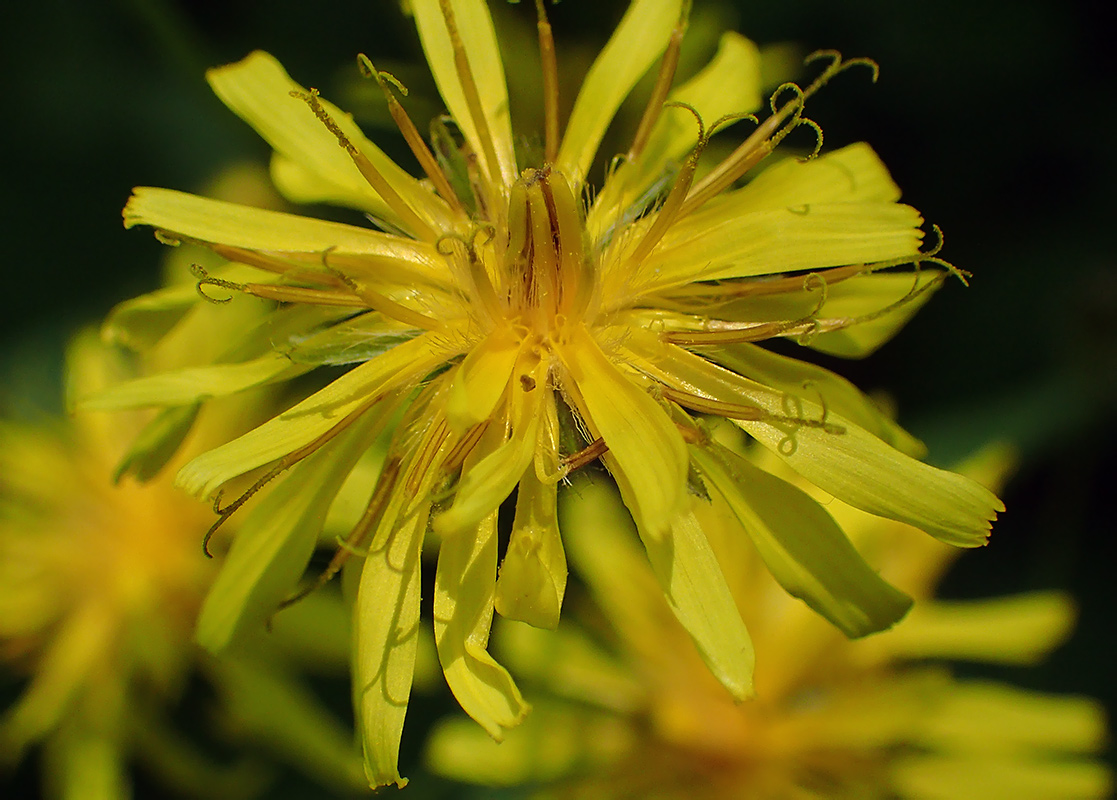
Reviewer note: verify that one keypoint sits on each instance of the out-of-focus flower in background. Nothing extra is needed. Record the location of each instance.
(509, 326)
(100, 586)
(624, 706)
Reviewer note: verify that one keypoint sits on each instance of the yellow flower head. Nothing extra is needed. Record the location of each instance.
(100, 586)
(508, 326)
(625, 707)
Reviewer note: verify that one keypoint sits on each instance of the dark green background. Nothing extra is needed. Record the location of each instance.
(996, 117)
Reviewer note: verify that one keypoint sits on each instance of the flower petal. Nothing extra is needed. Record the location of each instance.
(276, 711)
(463, 612)
(275, 541)
(834, 454)
(979, 717)
(62, 670)
(387, 633)
(1020, 629)
(687, 572)
(729, 84)
(475, 27)
(555, 740)
(811, 382)
(313, 167)
(532, 578)
(639, 39)
(218, 222)
(194, 384)
(644, 444)
(481, 380)
(949, 777)
(802, 546)
(497, 462)
(810, 236)
(399, 367)
(86, 761)
(854, 174)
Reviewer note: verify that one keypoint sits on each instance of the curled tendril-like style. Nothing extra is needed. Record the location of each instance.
(814, 126)
(837, 65)
(793, 415)
(815, 282)
(729, 119)
(800, 99)
(440, 244)
(369, 70)
(487, 230)
(205, 279)
(702, 135)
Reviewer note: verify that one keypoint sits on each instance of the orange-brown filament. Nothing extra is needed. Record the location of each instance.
(663, 83)
(412, 136)
(550, 84)
(426, 454)
(357, 537)
(284, 464)
(756, 332)
(457, 455)
(377, 301)
(731, 290)
(719, 408)
(271, 263)
(299, 294)
(672, 207)
(587, 455)
(747, 155)
(472, 96)
(370, 173)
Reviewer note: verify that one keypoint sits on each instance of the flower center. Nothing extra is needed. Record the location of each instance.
(550, 278)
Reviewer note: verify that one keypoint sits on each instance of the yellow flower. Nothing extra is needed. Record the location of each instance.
(624, 706)
(100, 585)
(508, 326)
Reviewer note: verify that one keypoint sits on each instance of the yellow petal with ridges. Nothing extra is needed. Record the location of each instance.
(463, 611)
(478, 36)
(399, 368)
(730, 84)
(838, 457)
(387, 633)
(599, 537)
(802, 546)
(644, 445)
(218, 222)
(276, 539)
(193, 385)
(697, 592)
(812, 382)
(481, 380)
(532, 579)
(853, 174)
(258, 90)
(639, 39)
(810, 236)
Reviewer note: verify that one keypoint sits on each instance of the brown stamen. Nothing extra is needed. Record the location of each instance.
(370, 173)
(550, 84)
(663, 83)
(410, 133)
